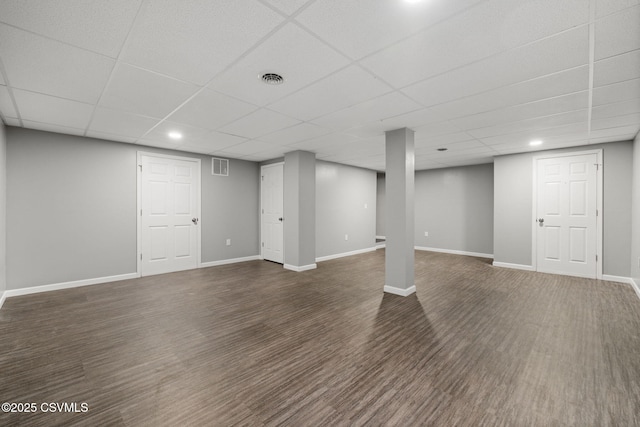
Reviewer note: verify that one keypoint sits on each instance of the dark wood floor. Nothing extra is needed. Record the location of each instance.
(253, 344)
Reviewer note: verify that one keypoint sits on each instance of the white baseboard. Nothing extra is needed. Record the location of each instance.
(618, 279)
(454, 252)
(636, 287)
(399, 291)
(514, 266)
(381, 245)
(67, 285)
(3, 296)
(301, 268)
(381, 237)
(344, 254)
(229, 261)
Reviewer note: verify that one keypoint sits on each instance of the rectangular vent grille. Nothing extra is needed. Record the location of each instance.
(220, 167)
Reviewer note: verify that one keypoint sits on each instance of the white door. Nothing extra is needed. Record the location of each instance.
(566, 220)
(169, 214)
(272, 201)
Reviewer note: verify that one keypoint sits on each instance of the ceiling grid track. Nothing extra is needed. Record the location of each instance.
(592, 55)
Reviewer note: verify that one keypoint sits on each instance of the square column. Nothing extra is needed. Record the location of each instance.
(299, 210)
(400, 193)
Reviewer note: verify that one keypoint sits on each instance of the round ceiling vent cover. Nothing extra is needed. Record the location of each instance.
(272, 79)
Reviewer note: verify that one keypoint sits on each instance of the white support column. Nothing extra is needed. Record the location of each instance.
(299, 210)
(399, 252)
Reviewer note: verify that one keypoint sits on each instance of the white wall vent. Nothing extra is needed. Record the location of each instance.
(219, 167)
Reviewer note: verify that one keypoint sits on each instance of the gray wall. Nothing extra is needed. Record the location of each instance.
(513, 192)
(71, 208)
(3, 208)
(299, 208)
(341, 195)
(455, 206)
(635, 213)
(380, 204)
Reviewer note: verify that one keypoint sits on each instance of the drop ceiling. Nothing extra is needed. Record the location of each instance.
(479, 77)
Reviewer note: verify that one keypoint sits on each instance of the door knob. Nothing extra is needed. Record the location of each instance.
(540, 221)
(194, 220)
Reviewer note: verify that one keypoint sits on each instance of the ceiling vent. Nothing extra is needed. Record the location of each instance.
(272, 79)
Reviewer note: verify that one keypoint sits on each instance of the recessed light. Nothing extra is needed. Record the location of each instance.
(175, 135)
(442, 149)
(412, 1)
(535, 142)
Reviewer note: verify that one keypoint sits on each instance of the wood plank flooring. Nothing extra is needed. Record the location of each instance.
(253, 344)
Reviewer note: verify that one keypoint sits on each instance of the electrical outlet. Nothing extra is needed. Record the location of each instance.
(426, 234)
(365, 206)
(228, 242)
(346, 237)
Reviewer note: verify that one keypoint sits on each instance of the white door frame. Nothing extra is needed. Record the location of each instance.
(260, 209)
(599, 198)
(139, 205)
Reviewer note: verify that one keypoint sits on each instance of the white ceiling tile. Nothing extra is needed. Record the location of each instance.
(607, 7)
(489, 28)
(250, 147)
(157, 144)
(617, 121)
(195, 40)
(436, 129)
(189, 133)
(355, 27)
(291, 52)
(210, 110)
(616, 92)
(120, 123)
(524, 137)
(616, 109)
(617, 68)
(73, 21)
(538, 123)
(52, 110)
(617, 33)
(197, 149)
(144, 92)
(566, 50)
(342, 89)
(268, 154)
(12, 121)
(216, 140)
(110, 137)
(48, 127)
(287, 6)
(294, 134)
(6, 104)
(612, 138)
(468, 162)
(544, 107)
(451, 146)
(324, 141)
(43, 65)
(564, 82)
(259, 123)
(377, 109)
(614, 132)
(443, 140)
